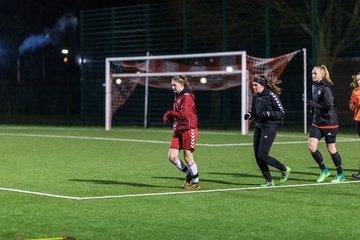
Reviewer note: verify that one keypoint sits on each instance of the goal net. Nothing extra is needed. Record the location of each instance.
(205, 72)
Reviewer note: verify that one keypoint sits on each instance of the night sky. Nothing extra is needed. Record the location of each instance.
(40, 26)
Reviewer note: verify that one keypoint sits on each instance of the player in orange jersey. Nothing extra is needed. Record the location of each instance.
(354, 105)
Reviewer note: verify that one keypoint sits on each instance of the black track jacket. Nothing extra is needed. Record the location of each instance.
(326, 115)
(267, 110)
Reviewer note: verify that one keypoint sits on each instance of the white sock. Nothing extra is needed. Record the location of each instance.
(181, 166)
(194, 172)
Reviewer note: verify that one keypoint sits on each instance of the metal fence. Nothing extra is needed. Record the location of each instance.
(179, 27)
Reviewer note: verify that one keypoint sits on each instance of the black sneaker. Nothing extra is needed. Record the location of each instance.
(356, 175)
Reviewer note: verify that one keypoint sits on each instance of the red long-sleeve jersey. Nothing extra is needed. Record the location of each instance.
(184, 113)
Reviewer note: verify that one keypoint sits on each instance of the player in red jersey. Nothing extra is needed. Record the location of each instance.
(185, 124)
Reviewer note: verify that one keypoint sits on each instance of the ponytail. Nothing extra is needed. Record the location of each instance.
(354, 83)
(326, 74)
(271, 84)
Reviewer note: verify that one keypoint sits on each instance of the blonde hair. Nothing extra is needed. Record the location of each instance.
(182, 80)
(271, 84)
(326, 73)
(354, 83)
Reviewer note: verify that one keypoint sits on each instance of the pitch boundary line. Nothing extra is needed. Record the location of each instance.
(210, 191)
(122, 129)
(38, 193)
(166, 193)
(234, 133)
(156, 141)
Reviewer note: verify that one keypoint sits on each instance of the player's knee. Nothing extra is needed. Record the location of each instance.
(332, 149)
(172, 158)
(312, 148)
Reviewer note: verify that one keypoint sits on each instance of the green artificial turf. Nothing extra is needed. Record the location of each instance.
(119, 184)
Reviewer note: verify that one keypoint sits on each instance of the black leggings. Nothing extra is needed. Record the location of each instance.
(357, 124)
(263, 140)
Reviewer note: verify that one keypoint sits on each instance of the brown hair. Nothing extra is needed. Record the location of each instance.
(271, 84)
(354, 83)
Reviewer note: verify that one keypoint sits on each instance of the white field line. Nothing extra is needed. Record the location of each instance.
(122, 129)
(156, 141)
(38, 193)
(211, 190)
(82, 137)
(170, 193)
(226, 133)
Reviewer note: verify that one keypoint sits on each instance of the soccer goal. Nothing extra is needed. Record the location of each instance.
(206, 72)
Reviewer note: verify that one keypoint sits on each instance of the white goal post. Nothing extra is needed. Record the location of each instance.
(145, 74)
(221, 70)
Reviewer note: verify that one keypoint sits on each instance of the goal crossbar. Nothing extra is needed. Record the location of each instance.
(177, 56)
(200, 73)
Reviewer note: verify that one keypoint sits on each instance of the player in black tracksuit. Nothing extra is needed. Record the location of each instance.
(325, 123)
(267, 112)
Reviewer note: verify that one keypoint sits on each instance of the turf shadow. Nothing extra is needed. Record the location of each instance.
(114, 182)
(245, 175)
(334, 169)
(210, 181)
(304, 173)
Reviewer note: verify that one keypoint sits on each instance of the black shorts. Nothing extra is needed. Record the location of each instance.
(328, 133)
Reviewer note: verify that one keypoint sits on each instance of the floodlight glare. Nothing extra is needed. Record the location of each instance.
(203, 80)
(229, 69)
(118, 81)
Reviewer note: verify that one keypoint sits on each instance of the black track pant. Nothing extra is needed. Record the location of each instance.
(357, 123)
(263, 140)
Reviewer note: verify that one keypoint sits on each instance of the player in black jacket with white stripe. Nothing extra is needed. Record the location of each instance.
(267, 112)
